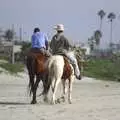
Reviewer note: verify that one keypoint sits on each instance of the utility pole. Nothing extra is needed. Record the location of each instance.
(13, 57)
(20, 33)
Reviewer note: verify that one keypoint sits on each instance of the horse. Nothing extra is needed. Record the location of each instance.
(80, 56)
(59, 70)
(35, 63)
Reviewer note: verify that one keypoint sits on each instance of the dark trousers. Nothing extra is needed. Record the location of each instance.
(40, 50)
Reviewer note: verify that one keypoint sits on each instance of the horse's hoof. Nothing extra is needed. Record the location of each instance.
(63, 99)
(57, 101)
(70, 102)
(53, 102)
(34, 102)
(46, 100)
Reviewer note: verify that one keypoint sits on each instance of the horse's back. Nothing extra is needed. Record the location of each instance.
(36, 61)
(60, 67)
(56, 64)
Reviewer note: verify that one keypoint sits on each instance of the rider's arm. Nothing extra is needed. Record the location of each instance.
(46, 42)
(52, 43)
(32, 41)
(67, 44)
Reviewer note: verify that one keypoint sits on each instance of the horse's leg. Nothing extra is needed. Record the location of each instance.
(70, 90)
(34, 101)
(31, 84)
(64, 90)
(54, 89)
(53, 84)
(45, 88)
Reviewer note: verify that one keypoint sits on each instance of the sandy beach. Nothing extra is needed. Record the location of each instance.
(92, 100)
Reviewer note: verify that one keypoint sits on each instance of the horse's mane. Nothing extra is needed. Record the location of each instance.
(72, 53)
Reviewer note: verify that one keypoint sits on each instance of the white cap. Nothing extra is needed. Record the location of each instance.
(59, 27)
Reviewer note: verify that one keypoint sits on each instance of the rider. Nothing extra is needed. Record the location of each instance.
(60, 45)
(39, 42)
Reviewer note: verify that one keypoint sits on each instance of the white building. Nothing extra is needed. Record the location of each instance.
(87, 48)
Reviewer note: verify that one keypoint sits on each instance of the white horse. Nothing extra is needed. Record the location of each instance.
(56, 69)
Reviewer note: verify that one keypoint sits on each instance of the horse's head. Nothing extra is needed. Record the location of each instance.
(77, 53)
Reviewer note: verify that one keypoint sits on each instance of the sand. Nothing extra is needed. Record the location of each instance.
(92, 100)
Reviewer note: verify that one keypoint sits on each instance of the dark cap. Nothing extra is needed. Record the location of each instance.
(36, 30)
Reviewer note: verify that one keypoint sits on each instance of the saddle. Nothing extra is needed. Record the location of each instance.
(67, 69)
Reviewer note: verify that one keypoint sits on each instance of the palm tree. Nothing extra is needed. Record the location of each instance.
(111, 17)
(97, 36)
(101, 13)
(9, 35)
(1, 34)
(91, 43)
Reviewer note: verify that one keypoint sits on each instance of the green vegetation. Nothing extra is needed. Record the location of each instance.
(25, 46)
(4, 57)
(12, 68)
(103, 69)
(24, 50)
(17, 67)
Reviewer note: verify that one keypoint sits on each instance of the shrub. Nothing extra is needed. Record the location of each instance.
(103, 69)
(12, 68)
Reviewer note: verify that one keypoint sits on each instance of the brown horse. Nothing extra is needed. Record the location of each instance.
(36, 67)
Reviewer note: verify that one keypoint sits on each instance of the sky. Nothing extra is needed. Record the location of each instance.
(78, 16)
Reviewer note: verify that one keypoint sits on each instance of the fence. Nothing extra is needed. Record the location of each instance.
(7, 49)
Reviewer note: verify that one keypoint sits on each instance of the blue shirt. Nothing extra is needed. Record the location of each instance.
(39, 40)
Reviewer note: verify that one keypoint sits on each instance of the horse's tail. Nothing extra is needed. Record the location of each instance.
(30, 64)
(55, 71)
(51, 73)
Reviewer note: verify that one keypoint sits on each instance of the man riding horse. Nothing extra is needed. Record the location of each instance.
(60, 45)
(39, 42)
(35, 62)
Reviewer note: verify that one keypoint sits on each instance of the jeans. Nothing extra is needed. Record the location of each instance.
(73, 61)
(42, 50)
